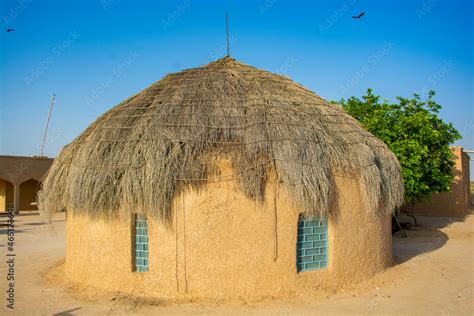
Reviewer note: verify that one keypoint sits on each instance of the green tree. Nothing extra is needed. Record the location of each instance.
(416, 134)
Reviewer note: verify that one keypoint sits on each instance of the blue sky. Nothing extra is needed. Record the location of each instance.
(94, 54)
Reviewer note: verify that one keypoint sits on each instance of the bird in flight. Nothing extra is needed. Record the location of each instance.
(359, 16)
(10, 30)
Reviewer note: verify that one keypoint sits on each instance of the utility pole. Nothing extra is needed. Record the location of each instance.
(47, 124)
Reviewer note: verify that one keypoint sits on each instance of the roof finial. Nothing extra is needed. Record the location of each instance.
(227, 31)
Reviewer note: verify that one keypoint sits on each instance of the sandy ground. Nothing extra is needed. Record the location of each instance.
(433, 275)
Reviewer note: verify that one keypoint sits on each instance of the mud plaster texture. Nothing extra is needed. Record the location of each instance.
(221, 245)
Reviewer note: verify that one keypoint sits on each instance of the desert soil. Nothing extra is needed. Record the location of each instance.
(433, 275)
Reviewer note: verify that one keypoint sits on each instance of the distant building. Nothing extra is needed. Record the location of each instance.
(453, 203)
(20, 179)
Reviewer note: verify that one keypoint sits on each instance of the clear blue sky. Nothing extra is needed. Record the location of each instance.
(94, 54)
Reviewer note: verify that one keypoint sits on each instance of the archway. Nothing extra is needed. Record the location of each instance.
(6, 195)
(28, 192)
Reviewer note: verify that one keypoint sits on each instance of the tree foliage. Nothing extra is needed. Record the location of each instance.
(416, 134)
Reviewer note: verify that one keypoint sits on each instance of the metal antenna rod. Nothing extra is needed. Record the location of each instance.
(227, 31)
(47, 124)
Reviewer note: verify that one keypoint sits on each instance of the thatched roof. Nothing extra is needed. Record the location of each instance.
(140, 154)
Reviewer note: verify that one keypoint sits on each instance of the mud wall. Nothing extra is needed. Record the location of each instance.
(223, 245)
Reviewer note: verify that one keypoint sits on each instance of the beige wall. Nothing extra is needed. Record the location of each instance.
(28, 192)
(20, 171)
(222, 245)
(3, 196)
(454, 203)
(6, 194)
(9, 193)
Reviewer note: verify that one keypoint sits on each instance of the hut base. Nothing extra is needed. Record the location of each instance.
(221, 245)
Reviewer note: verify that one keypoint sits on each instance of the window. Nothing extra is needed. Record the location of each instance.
(141, 243)
(312, 244)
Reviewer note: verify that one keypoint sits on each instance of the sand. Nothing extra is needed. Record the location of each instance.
(434, 274)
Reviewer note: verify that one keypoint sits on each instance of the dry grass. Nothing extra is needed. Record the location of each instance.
(139, 155)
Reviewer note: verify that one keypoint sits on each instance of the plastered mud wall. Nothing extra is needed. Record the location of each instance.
(223, 245)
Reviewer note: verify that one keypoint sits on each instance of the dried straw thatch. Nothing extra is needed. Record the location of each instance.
(139, 155)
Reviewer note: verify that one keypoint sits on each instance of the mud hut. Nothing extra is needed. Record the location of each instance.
(225, 181)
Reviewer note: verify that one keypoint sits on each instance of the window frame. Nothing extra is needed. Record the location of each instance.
(319, 260)
(135, 266)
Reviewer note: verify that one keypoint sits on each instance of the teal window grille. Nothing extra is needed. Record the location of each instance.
(141, 243)
(312, 244)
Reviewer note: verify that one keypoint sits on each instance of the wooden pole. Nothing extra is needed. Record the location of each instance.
(47, 124)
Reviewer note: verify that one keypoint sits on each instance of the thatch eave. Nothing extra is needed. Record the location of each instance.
(166, 138)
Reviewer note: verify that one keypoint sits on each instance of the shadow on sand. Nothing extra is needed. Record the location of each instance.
(4, 231)
(424, 238)
(36, 224)
(67, 312)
